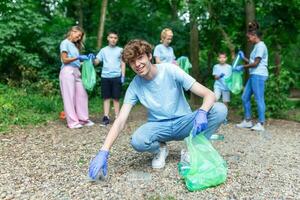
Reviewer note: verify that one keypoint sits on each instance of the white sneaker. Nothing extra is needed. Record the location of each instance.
(89, 123)
(258, 127)
(159, 159)
(245, 124)
(76, 126)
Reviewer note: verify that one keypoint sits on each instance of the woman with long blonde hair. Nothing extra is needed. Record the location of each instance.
(164, 53)
(74, 96)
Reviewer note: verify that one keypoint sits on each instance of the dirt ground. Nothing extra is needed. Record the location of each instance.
(51, 162)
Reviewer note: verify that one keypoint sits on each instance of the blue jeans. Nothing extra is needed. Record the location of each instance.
(149, 135)
(255, 85)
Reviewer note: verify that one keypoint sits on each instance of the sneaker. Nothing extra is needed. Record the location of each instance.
(89, 123)
(245, 124)
(258, 127)
(159, 159)
(76, 126)
(105, 121)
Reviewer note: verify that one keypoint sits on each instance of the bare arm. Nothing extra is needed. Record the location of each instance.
(117, 127)
(65, 59)
(208, 96)
(96, 61)
(216, 77)
(254, 64)
(123, 68)
(157, 60)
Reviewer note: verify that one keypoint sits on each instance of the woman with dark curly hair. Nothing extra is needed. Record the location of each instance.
(257, 65)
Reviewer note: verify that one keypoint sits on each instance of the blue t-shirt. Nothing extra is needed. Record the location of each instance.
(165, 54)
(163, 96)
(259, 50)
(217, 71)
(72, 51)
(111, 58)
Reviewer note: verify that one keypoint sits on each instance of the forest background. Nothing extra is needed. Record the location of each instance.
(31, 31)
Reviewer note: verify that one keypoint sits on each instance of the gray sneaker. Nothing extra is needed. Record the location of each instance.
(245, 124)
(258, 127)
(159, 159)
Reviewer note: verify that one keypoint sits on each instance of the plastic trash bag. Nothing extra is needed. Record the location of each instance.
(203, 167)
(184, 63)
(235, 82)
(88, 75)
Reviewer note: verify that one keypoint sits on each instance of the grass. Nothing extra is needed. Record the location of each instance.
(21, 107)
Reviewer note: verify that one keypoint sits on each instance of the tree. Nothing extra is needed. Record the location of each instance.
(101, 23)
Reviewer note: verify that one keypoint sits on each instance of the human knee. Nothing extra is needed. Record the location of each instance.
(138, 144)
(220, 111)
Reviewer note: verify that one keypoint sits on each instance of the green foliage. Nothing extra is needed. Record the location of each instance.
(276, 93)
(26, 107)
(21, 107)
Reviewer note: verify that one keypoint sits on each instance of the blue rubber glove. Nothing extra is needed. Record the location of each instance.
(241, 54)
(98, 165)
(82, 57)
(200, 122)
(91, 56)
(221, 75)
(238, 68)
(122, 79)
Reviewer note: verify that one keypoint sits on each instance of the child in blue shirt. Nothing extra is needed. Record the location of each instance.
(112, 76)
(220, 72)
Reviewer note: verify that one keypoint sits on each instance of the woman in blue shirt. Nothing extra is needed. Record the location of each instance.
(257, 65)
(74, 96)
(164, 53)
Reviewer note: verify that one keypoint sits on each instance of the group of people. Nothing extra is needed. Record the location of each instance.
(158, 87)
(257, 65)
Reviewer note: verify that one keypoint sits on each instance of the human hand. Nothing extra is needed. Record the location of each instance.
(221, 75)
(98, 166)
(238, 68)
(200, 122)
(122, 79)
(241, 54)
(82, 57)
(91, 56)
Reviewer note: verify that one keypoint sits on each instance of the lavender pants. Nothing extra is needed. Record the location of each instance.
(74, 96)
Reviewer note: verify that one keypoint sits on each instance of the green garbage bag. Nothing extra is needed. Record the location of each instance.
(206, 168)
(235, 82)
(88, 75)
(184, 63)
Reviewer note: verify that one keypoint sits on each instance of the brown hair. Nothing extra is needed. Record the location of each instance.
(135, 48)
(79, 43)
(163, 33)
(253, 29)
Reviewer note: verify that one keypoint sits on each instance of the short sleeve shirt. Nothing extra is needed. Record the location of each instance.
(218, 69)
(165, 54)
(259, 50)
(111, 58)
(72, 51)
(163, 96)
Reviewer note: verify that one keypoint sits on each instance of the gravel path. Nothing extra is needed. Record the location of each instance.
(51, 162)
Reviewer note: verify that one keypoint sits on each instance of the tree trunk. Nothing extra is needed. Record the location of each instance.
(194, 50)
(250, 16)
(229, 43)
(80, 14)
(173, 4)
(101, 23)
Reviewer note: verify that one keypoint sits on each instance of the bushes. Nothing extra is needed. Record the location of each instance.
(23, 107)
